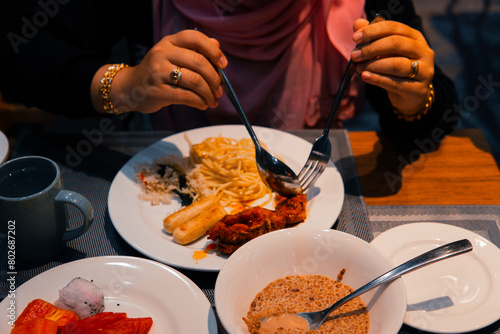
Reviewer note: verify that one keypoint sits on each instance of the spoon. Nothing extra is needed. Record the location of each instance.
(275, 173)
(315, 319)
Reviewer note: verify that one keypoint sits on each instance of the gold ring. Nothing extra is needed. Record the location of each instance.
(414, 69)
(176, 75)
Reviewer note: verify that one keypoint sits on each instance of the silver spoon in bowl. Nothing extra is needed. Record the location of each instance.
(277, 175)
(315, 319)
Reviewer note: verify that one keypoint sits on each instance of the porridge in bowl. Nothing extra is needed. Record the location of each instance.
(274, 307)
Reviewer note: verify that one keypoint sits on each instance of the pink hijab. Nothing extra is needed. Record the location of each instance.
(286, 57)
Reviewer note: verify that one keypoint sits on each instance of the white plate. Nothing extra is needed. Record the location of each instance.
(141, 224)
(138, 287)
(4, 147)
(471, 280)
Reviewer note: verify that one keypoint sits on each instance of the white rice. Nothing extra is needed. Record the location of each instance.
(157, 188)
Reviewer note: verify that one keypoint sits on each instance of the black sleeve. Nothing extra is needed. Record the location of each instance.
(443, 116)
(50, 50)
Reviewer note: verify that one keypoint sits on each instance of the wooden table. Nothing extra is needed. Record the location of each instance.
(460, 171)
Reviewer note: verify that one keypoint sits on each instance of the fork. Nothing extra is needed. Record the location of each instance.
(322, 148)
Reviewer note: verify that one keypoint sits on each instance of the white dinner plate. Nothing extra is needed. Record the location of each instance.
(463, 292)
(4, 147)
(138, 287)
(141, 224)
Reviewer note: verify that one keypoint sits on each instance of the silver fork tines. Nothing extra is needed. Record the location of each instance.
(321, 149)
(316, 163)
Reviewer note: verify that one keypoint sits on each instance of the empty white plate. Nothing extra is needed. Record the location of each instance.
(463, 292)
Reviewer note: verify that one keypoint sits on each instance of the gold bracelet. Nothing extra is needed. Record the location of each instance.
(105, 88)
(422, 112)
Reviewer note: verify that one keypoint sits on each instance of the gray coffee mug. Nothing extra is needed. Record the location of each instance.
(33, 214)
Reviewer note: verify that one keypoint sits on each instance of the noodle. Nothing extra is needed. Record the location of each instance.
(221, 166)
(229, 169)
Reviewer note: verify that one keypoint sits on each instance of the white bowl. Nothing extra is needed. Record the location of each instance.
(307, 251)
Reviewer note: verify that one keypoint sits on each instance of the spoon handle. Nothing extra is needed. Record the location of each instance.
(437, 254)
(236, 103)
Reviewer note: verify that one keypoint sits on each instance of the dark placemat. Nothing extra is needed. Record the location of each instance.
(89, 162)
(481, 219)
(353, 218)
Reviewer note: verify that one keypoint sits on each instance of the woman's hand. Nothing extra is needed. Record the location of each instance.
(384, 57)
(148, 86)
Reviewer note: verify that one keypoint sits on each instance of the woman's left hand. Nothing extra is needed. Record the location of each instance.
(384, 57)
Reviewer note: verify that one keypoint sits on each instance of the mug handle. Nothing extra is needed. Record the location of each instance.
(83, 204)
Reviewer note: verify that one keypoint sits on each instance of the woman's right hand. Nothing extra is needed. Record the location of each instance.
(148, 86)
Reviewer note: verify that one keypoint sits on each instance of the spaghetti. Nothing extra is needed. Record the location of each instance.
(228, 169)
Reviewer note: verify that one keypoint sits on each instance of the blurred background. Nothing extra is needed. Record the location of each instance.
(465, 35)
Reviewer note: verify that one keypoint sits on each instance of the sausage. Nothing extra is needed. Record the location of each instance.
(182, 216)
(199, 225)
